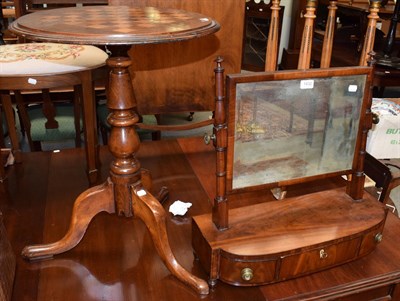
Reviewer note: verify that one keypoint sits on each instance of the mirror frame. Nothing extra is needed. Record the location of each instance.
(364, 123)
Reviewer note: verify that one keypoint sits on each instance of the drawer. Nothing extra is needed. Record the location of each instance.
(247, 272)
(318, 258)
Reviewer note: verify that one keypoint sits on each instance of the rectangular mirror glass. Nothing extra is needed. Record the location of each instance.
(294, 128)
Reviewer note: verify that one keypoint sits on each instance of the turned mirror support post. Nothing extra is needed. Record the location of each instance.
(220, 208)
(355, 188)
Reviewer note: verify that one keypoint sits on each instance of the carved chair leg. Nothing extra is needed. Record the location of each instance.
(149, 210)
(2, 139)
(77, 115)
(24, 118)
(11, 123)
(87, 205)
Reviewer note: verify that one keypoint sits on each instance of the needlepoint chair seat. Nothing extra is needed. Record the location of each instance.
(66, 72)
(41, 58)
(47, 66)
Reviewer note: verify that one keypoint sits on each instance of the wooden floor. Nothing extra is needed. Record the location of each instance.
(116, 259)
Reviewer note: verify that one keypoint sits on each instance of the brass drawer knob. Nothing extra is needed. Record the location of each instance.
(247, 274)
(378, 237)
(322, 254)
(207, 138)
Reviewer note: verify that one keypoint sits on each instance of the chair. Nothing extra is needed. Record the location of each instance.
(347, 37)
(44, 119)
(27, 68)
(3, 132)
(3, 128)
(258, 21)
(20, 72)
(387, 70)
(7, 14)
(384, 173)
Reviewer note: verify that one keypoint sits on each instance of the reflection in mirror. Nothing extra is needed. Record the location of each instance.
(291, 129)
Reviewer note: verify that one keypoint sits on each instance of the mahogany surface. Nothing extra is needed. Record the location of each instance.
(113, 25)
(177, 77)
(7, 264)
(237, 246)
(284, 239)
(119, 262)
(126, 191)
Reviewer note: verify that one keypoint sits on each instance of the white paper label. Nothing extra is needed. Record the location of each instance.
(32, 81)
(307, 84)
(141, 192)
(352, 88)
(179, 207)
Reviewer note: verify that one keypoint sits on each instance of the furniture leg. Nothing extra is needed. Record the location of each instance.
(131, 198)
(8, 111)
(90, 127)
(87, 205)
(2, 171)
(149, 210)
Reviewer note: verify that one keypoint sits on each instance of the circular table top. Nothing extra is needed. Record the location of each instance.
(113, 25)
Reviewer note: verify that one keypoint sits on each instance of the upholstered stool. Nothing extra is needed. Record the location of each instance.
(45, 67)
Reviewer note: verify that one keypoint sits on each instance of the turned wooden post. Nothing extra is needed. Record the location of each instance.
(273, 38)
(355, 185)
(369, 38)
(306, 42)
(124, 141)
(10, 119)
(49, 110)
(329, 35)
(220, 208)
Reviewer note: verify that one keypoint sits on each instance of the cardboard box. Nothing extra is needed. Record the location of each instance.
(384, 138)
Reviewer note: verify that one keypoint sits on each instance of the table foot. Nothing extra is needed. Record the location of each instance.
(87, 205)
(150, 211)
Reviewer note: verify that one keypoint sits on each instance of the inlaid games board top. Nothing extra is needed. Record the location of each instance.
(113, 25)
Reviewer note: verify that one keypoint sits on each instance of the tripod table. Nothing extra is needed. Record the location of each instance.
(125, 192)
